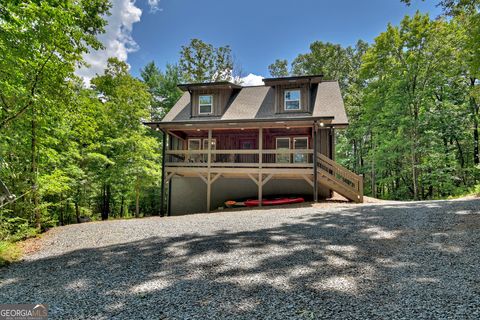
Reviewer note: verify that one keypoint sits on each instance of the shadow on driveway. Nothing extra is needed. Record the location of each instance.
(410, 260)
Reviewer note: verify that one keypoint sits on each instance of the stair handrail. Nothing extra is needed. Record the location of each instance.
(347, 178)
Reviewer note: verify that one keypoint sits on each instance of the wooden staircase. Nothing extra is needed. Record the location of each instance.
(339, 179)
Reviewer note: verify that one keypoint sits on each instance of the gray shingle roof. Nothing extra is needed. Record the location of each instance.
(258, 103)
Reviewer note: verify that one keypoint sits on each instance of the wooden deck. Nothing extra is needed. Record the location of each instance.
(261, 165)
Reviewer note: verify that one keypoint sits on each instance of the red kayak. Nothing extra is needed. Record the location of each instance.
(273, 202)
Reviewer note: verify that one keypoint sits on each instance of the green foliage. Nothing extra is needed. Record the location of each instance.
(416, 90)
(71, 152)
(279, 68)
(41, 43)
(412, 102)
(15, 228)
(9, 252)
(94, 157)
(163, 88)
(476, 190)
(202, 62)
(134, 155)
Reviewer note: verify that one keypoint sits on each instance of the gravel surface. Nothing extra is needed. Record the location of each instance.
(374, 261)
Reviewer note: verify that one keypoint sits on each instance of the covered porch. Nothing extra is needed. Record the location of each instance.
(260, 154)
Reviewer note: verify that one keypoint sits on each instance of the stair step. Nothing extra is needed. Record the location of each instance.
(340, 188)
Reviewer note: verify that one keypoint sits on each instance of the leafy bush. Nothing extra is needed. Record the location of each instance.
(15, 229)
(476, 190)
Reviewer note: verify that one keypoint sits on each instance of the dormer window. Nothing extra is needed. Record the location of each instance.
(205, 104)
(292, 100)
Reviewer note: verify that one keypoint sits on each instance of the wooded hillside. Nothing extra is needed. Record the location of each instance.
(413, 99)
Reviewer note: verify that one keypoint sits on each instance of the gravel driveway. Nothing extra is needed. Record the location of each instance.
(373, 261)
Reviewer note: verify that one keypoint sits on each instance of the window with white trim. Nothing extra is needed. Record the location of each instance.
(300, 143)
(214, 144)
(205, 104)
(213, 147)
(194, 144)
(292, 100)
(283, 144)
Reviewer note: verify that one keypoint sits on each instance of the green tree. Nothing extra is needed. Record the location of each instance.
(279, 68)
(132, 154)
(163, 88)
(467, 14)
(414, 88)
(41, 44)
(202, 62)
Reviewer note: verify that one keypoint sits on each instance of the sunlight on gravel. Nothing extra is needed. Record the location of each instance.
(400, 260)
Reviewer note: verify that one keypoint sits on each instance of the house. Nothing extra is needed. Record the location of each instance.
(224, 142)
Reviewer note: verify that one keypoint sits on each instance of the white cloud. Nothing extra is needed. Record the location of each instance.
(252, 80)
(154, 5)
(117, 39)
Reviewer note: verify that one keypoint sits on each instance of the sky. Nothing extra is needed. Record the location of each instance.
(258, 31)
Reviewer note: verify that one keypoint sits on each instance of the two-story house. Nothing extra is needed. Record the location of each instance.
(223, 141)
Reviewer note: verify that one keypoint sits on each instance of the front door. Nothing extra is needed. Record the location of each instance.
(247, 144)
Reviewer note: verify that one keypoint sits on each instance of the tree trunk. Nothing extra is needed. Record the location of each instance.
(62, 212)
(137, 200)
(355, 156)
(414, 152)
(33, 170)
(374, 180)
(67, 205)
(77, 211)
(474, 106)
(106, 202)
(476, 159)
(122, 203)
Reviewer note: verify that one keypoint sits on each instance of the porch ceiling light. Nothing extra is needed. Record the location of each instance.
(322, 124)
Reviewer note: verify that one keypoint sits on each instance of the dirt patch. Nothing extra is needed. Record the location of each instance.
(33, 245)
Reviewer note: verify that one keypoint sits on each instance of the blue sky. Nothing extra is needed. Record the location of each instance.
(258, 31)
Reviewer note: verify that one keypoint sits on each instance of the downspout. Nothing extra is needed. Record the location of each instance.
(310, 109)
(191, 103)
(332, 141)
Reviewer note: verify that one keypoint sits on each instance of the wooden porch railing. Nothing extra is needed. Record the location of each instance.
(329, 173)
(340, 179)
(299, 158)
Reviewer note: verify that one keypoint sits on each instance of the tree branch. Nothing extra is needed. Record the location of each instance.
(22, 110)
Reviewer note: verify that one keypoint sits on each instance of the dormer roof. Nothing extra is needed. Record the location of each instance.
(209, 85)
(313, 79)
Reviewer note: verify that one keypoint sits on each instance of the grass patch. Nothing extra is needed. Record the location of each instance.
(9, 252)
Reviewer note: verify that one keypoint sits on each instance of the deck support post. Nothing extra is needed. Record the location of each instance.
(260, 189)
(315, 150)
(209, 190)
(260, 161)
(162, 192)
(209, 176)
